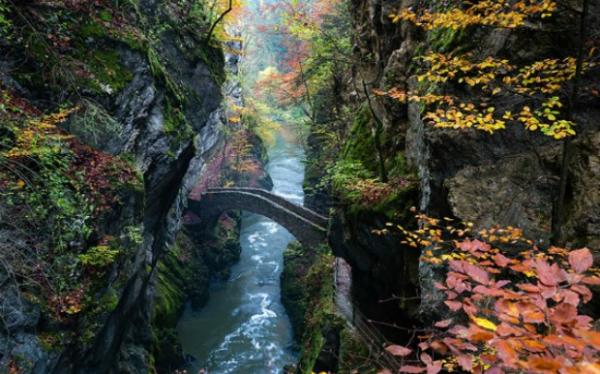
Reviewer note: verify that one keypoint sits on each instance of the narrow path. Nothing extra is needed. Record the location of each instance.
(365, 329)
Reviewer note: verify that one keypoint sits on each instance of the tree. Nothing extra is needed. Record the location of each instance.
(540, 95)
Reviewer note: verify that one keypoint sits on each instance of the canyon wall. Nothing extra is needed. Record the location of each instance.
(145, 85)
(509, 178)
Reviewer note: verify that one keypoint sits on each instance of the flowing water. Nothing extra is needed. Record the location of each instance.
(244, 328)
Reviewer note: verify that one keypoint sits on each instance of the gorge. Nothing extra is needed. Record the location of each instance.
(299, 186)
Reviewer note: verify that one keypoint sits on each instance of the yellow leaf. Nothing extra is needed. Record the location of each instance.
(485, 323)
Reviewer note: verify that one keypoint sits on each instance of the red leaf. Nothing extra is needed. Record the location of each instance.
(528, 287)
(439, 346)
(563, 314)
(592, 281)
(453, 305)
(550, 275)
(584, 322)
(501, 260)
(443, 324)
(583, 291)
(457, 265)
(474, 246)
(465, 362)
(434, 368)
(427, 360)
(581, 260)
(398, 350)
(488, 291)
(412, 369)
(477, 273)
(504, 329)
(569, 297)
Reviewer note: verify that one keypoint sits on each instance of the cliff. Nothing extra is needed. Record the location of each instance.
(110, 111)
(509, 178)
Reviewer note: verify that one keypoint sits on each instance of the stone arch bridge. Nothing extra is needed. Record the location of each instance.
(308, 227)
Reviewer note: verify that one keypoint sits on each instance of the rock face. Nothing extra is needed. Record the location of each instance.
(509, 178)
(167, 143)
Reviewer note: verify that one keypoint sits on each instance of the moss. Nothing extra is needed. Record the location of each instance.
(360, 145)
(160, 72)
(354, 355)
(214, 59)
(181, 276)
(321, 320)
(297, 261)
(443, 39)
(107, 68)
(92, 29)
(172, 278)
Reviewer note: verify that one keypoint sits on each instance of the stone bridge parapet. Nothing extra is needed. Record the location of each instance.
(308, 227)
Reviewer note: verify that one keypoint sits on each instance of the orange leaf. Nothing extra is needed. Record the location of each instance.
(533, 345)
(591, 338)
(528, 287)
(548, 364)
(533, 316)
(506, 352)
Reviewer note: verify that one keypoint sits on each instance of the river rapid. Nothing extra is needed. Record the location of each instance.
(244, 327)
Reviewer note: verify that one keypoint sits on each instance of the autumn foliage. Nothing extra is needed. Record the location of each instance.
(543, 87)
(512, 306)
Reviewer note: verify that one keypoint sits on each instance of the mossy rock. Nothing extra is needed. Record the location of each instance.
(354, 354)
(296, 264)
(361, 145)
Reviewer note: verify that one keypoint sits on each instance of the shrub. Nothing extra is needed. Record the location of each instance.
(513, 306)
(99, 256)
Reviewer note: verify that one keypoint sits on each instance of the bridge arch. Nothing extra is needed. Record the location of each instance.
(308, 227)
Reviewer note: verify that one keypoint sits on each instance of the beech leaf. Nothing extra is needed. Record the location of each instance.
(477, 273)
(485, 323)
(398, 350)
(453, 305)
(443, 324)
(581, 260)
(412, 369)
(466, 362)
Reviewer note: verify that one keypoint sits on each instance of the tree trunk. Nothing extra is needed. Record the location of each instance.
(558, 217)
(214, 25)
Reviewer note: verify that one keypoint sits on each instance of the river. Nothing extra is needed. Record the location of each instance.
(244, 327)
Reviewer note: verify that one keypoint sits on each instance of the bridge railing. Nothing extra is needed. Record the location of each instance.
(268, 201)
(298, 209)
